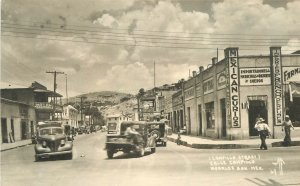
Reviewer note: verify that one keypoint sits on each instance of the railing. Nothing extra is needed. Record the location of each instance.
(47, 106)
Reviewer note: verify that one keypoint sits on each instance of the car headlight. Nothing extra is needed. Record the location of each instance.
(62, 142)
(44, 143)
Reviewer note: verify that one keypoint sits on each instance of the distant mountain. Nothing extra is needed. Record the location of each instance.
(102, 98)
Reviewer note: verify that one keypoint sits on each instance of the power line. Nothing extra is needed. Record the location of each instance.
(135, 38)
(145, 35)
(133, 45)
(153, 31)
(143, 41)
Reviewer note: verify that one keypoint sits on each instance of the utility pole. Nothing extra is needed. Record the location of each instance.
(67, 88)
(154, 75)
(55, 86)
(81, 106)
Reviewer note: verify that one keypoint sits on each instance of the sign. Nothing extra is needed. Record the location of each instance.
(208, 86)
(291, 74)
(221, 80)
(277, 84)
(234, 88)
(255, 76)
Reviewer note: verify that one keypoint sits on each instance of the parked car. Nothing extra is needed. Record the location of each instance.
(51, 140)
(138, 143)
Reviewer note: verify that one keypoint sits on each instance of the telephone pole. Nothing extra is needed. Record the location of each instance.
(81, 106)
(55, 86)
(67, 88)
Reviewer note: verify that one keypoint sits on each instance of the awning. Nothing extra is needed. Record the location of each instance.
(294, 89)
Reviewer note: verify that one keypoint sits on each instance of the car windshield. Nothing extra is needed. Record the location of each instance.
(51, 131)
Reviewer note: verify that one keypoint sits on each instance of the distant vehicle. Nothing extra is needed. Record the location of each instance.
(138, 143)
(51, 140)
(93, 129)
(80, 130)
(160, 131)
(113, 128)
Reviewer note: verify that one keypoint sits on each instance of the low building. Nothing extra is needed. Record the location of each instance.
(17, 121)
(70, 116)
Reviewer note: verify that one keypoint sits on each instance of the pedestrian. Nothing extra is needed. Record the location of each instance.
(178, 141)
(286, 126)
(262, 127)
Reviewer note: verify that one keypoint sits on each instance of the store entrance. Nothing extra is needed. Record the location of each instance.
(257, 109)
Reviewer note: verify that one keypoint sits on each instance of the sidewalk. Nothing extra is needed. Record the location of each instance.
(207, 143)
(8, 146)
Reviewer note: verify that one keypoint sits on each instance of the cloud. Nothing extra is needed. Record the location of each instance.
(127, 78)
(107, 21)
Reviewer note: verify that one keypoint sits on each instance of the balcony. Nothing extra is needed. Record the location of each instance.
(46, 106)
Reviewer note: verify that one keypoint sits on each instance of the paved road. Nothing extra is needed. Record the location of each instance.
(171, 165)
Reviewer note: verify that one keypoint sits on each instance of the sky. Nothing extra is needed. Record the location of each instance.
(112, 45)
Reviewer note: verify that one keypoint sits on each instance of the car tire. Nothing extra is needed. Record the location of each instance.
(110, 154)
(141, 152)
(153, 150)
(37, 158)
(69, 156)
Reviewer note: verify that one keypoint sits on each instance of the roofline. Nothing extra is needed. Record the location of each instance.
(17, 102)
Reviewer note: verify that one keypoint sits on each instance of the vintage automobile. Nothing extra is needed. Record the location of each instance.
(159, 130)
(138, 143)
(51, 140)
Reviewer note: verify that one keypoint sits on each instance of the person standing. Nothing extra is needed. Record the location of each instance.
(262, 127)
(286, 126)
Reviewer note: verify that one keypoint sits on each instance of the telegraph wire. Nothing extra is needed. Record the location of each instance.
(134, 37)
(132, 45)
(144, 35)
(154, 31)
(137, 41)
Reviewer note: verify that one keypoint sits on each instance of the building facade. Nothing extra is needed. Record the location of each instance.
(17, 121)
(224, 100)
(70, 116)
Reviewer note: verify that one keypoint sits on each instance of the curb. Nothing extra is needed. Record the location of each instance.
(229, 146)
(10, 148)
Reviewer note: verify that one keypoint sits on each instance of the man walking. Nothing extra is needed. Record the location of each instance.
(264, 131)
(287, 125)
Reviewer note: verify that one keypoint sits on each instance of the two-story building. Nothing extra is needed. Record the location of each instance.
(30, 105)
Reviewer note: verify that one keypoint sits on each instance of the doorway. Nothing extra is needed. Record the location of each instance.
(257, 109)
(200, 119)
(189, 120)
(23, 130)
(223, 119)
(12, 129)
(4, 130)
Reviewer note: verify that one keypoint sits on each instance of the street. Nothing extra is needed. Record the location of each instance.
(171, 165)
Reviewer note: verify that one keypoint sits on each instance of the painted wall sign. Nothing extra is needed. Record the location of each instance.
(221, 80)
(277, 84)
(234, 88)
(208, 86)
(291, 74)
(255, 76)
(189, 93)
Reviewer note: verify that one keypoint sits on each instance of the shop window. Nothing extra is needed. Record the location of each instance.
(210, 115)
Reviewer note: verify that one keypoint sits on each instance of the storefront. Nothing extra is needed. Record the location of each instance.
(232, 93)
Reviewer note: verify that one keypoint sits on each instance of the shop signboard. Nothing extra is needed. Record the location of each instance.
(291, 73)
(255, 76)
(234, 87)
(277, 84)
(221, 80)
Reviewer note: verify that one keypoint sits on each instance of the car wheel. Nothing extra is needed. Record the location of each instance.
(110, 154)
(153, 150)
(69, 156)
(37, 158)
(141, 152)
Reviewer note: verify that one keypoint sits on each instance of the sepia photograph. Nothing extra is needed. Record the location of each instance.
(150, 93)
